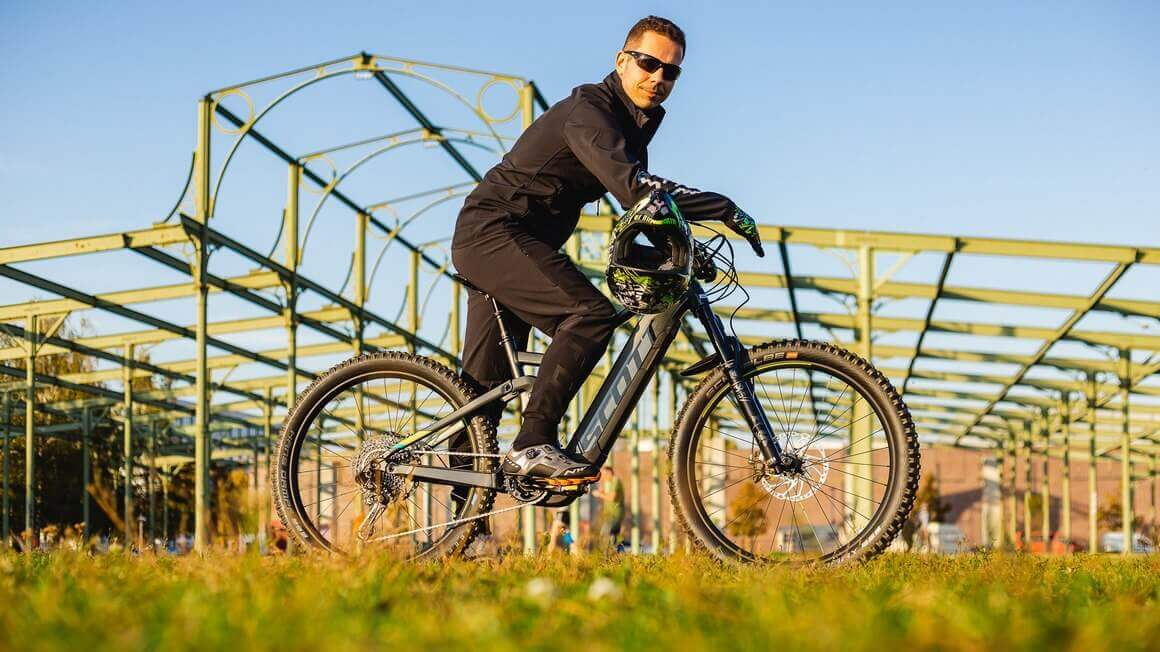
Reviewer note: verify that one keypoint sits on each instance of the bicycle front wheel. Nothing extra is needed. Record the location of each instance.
(851, 447)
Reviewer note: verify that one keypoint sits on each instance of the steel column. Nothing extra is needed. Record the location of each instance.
(1045, 480)
(30, 430)
(1093, 487)
(454, 331)
(413, 325)
(1000, 537)
(634, 480)
(199, 271)
(1029, 463)
(673, 387)
(655, 497)
(1126, 510)
(289, 315)
(86, 473)
(1012, 479)
(572, 247)
(360, 293)
(528, 513)
(7, 528)
(202, 436)
(1065, 490)
(267, 435)
(1152, 486)
(289, 311)
(574, 508)
(413, 298)
(164, 510)
(860, 428)
(127, 438)
(151, 480)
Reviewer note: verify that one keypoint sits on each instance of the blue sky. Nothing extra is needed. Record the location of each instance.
(1024, 120)
(1004, 119)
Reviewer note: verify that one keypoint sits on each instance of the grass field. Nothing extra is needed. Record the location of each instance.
(65, 601)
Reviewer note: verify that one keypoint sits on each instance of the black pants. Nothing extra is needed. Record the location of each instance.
(538, 286)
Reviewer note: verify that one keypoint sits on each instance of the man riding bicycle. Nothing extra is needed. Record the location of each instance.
(508, 235)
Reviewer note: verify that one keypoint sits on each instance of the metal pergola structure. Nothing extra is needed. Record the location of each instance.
(1077, 386)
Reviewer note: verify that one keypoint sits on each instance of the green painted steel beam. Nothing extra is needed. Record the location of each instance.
(157, 236)
(1105, 286)
(915, 242)
(257, 280)
(905, 324)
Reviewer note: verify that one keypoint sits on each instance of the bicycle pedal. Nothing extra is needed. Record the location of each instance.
(566, 484)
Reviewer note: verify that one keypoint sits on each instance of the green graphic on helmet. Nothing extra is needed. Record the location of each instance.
(650, 255)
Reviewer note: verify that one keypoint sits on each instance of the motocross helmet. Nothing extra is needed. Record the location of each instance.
(650, 279)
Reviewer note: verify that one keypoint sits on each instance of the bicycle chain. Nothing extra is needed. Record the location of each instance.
(453, 523)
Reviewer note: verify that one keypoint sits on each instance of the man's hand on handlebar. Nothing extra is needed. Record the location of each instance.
(745, 226)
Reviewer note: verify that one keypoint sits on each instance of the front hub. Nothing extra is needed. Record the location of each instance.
(797, 477)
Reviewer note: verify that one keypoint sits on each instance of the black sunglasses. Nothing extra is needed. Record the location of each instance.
(651, 64)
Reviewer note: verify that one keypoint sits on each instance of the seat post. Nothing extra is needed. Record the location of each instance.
(505, 339)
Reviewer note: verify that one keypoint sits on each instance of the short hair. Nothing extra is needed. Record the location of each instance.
(662, 26)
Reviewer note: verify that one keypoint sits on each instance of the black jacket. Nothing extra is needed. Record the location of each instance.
(594, 141)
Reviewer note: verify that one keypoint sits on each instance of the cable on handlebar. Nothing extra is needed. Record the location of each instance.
(727, 282)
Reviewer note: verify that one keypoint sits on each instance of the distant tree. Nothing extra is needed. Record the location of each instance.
(747, 517)
(929, 497)
(1035, 527)
(58, 478)
(232, 515)
(1111, 515)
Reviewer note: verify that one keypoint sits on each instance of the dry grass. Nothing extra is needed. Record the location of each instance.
(72, 602)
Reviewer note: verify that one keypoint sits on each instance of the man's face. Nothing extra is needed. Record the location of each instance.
(646, 90)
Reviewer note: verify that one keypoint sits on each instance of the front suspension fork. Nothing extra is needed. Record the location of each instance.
(730, 351)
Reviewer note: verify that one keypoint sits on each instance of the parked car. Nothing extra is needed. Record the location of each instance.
(1114, 542)
(946, 538)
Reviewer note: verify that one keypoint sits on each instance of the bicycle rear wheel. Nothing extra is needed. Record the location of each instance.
(326, 487)
(848, 433)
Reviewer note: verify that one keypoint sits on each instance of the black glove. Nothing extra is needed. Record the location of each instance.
(745, 226)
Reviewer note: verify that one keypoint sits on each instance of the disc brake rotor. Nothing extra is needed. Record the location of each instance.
(803, 482)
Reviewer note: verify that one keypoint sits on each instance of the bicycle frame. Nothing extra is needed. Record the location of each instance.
(618, 395)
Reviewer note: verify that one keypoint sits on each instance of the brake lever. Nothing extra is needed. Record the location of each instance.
(704, 269)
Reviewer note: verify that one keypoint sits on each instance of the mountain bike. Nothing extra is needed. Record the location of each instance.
(792, 451)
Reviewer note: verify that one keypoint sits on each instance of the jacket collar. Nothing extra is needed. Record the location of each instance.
(641, 116)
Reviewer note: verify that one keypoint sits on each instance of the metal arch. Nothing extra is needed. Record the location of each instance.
(425, 138)
(307, 173)
(393, 235)
(364, 59)
(248, 125)
(466, 134)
